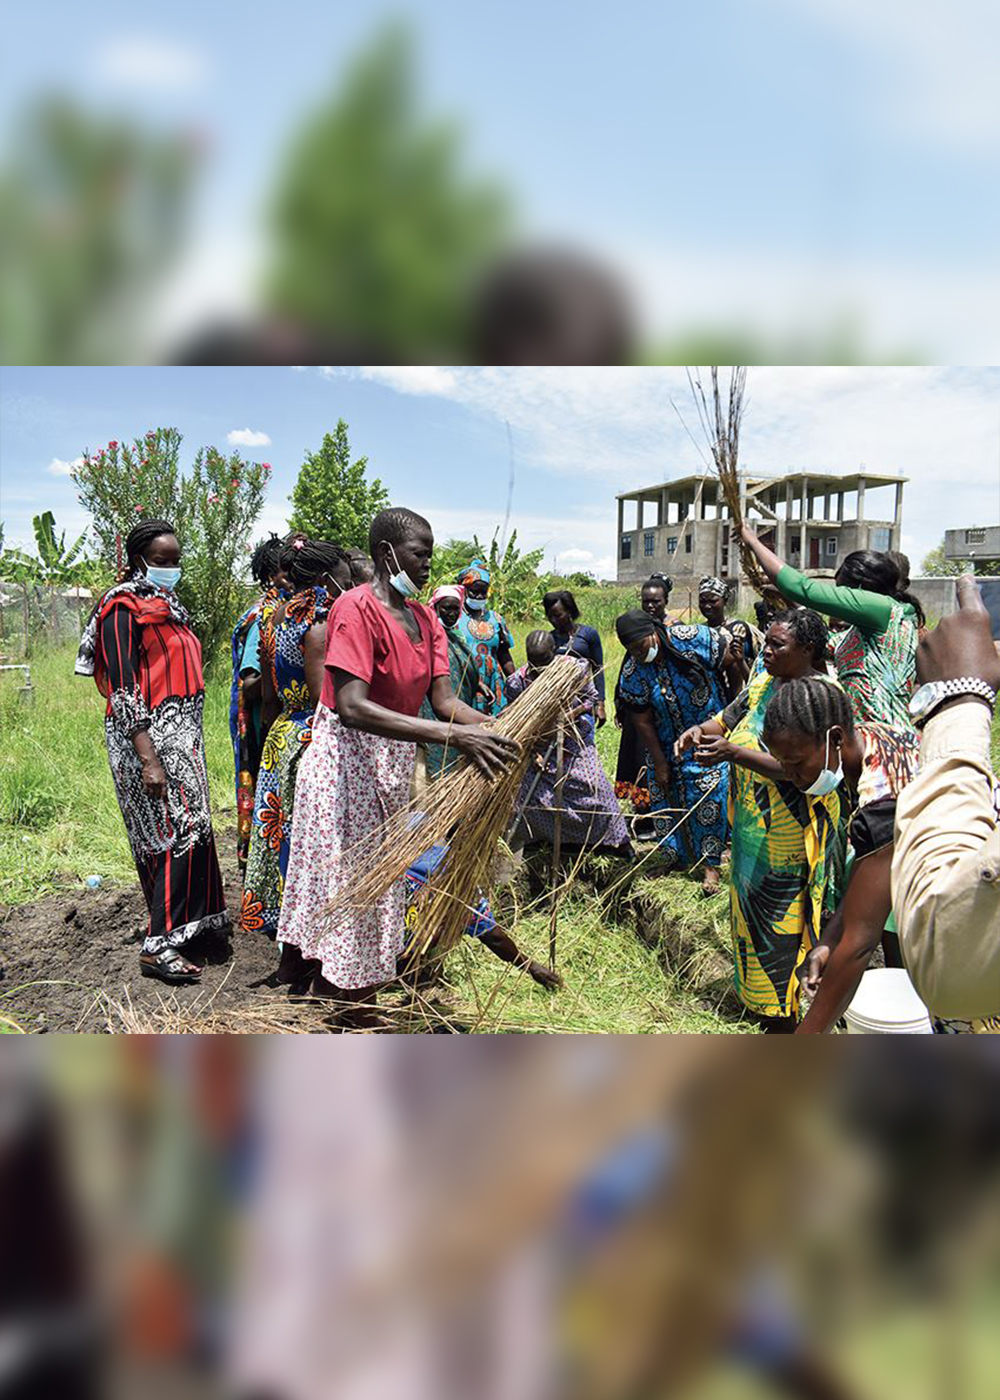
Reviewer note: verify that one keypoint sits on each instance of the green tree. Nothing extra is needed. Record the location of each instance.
(516, 587)
(332, 500)
(935, 565)
(379, 234)
(92, 210)
(213, 509)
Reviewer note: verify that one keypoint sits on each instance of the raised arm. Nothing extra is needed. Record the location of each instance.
(871, 611)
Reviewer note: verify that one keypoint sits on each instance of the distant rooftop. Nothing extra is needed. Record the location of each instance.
(825, 481)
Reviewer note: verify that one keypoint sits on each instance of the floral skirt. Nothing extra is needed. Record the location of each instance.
(349, 783)
(271, 831)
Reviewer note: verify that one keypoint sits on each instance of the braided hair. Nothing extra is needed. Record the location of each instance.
(808, 629)
(265, 561)
(809, 706)
(305, 561)
(877, 572)
(141, 536)
(393, 526)
(659, 581)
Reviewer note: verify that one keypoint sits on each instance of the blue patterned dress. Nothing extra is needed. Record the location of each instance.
(270, 835)
(683, 686)
(484, 634)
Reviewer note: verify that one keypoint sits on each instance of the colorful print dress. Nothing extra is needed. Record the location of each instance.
(682, 687)
(484, 634)
(286, 740)
(786, 861)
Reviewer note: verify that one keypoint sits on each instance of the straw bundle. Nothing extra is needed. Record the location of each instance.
(721, 421)
(467, 812)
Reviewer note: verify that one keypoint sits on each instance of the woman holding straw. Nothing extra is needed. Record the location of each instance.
(384, 653)
(785, 843)
(875, 656)
(675, 678)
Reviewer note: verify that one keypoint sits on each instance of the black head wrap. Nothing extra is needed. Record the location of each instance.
(636, 624)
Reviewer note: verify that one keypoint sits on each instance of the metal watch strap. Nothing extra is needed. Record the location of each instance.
(955, 689)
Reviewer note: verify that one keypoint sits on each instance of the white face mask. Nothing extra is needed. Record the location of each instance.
(652, 653)
(401, 580)
(163, 578)
(828, 780)
(474, 604)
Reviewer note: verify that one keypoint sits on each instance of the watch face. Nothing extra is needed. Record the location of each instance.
(923, 697)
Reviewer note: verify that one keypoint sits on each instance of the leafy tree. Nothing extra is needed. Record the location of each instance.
(332, 499)
(213, 508)
(516, 587)
(92, 210)
(379, 234)
(935, 565)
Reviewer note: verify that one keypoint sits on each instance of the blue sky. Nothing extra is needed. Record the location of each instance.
(770, 164)
(437, 437)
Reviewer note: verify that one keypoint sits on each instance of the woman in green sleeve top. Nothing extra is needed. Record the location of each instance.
(874, 657)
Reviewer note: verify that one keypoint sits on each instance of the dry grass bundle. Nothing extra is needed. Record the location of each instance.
(270, 1015)
(467, 812)
(721, 420)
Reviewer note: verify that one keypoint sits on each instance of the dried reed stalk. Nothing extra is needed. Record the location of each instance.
(721, 421)
(464, 810)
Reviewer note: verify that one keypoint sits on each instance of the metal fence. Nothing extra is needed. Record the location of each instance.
(33, 616)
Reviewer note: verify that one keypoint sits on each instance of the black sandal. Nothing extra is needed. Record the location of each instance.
(169, 966)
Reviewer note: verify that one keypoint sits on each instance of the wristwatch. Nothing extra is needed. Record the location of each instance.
(930, 697)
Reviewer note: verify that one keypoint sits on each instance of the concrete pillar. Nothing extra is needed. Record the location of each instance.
(699, 501)
(662, 508)
(897, 517)
(802, 528)
(826, 506)
(621, 526)
(861, 498)
(840, 505)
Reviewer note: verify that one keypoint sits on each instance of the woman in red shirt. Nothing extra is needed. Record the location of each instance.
(147, 662)
(384, 654)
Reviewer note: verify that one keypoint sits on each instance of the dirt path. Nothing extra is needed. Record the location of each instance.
(58, 953)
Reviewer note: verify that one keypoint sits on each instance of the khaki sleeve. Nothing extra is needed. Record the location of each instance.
(946, 868)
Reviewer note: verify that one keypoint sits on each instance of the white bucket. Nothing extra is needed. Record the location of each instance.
(886, 1003)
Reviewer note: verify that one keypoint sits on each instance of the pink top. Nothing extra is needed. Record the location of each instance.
(364, 639)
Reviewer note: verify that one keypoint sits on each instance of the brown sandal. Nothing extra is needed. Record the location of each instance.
(169, 966)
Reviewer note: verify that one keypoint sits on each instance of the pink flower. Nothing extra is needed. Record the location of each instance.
(145, 462)
(265, 466)
(213, 499)
(235, 481)
(112, 445)
(138, 510)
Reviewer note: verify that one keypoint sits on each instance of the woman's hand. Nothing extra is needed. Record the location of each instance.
(690, 739)
(601, 714)
(712, 749)
(491, 753)
(812, 969)
(154, 779)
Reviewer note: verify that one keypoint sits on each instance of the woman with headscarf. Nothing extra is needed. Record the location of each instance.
(245, 692)
(384, 653)
(590, 815)
(146, 661)
(447, 603)
(487, 636)
(675, 677)
(875, 657)
(292, 648)
(631, 784)
(713, 594)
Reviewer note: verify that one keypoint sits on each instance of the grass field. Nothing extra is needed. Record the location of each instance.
(59, 823)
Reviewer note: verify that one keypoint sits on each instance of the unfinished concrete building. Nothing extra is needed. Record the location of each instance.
(812, 520)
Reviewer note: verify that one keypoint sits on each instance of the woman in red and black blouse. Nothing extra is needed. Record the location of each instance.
(147, 663)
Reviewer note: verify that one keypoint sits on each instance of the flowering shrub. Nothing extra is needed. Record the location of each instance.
(213, 508)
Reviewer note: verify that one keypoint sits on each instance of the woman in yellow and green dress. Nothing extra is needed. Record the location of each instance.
(292, 645)
(787, 845)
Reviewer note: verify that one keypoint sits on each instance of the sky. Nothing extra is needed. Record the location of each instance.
(438, 439)
(787, 163)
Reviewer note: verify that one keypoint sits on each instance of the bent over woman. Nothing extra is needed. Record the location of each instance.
(147, 662)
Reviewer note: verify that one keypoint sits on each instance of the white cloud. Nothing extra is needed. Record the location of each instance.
(149, 61)
(247, 437)
(574, 556)
(406, 379)
(57, 467)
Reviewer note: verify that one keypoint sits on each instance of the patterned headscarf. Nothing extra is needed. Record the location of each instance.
(475, 572)
(715, 586)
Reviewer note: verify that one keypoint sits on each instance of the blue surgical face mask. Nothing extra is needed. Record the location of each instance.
(652, 653)
(401, 580)
(828, 780)
(163, 578)
(475, 604)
